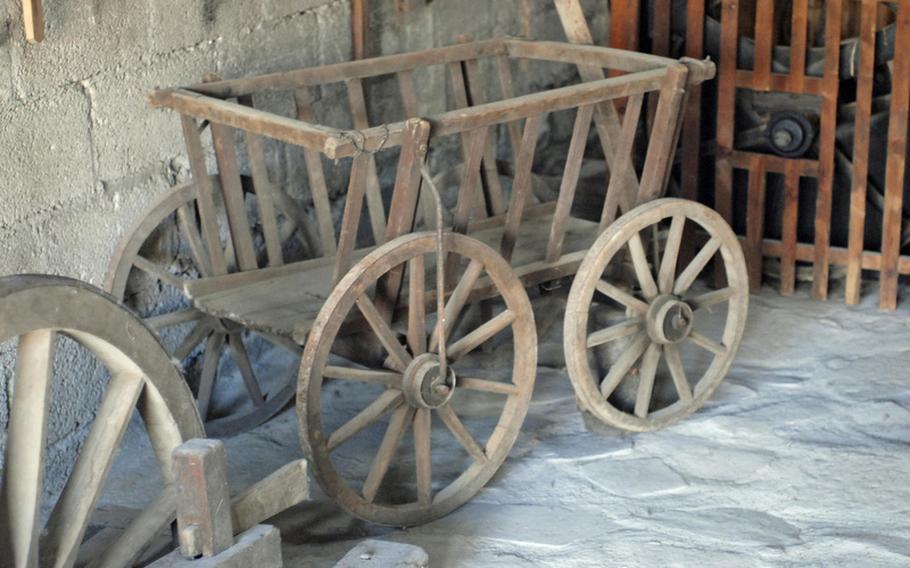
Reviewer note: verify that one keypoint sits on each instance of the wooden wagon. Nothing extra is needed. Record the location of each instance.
(392, 305)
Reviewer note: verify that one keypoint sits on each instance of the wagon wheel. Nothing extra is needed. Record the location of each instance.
(43, 316)
(661, 319)
(164, 250)
(404, 382)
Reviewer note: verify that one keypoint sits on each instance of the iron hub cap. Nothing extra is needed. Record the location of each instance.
(670, 320)
(422, 385)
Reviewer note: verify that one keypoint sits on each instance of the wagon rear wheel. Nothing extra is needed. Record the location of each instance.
(43, 319)
(654, 352)
(354, 428)
(148, 272)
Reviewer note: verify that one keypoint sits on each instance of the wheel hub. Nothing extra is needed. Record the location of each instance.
(423, 386)
(670, 320)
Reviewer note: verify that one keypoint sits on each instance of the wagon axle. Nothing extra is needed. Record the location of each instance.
(423, 384)
(669, 320)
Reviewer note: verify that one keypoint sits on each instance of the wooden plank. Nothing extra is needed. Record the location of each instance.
(862, 133)
(522, 185)
(268, 217)
(779, 82)
(582, 52)
(33, 20)
(663, 140)
(896, 163)
(826, 148)
(569, 183)
(203, 498)
(624, 24)
(375, 208)
(204, 195)
(726, 102)
(317, 76)
(755, 223)
(408, 94)
(774, 164)
(764, 44)
(691, 138)
(350, 221)
(789, 223)
(467, 199)
(316, 176)
(232, 191)
(660, 28)
(798, 40)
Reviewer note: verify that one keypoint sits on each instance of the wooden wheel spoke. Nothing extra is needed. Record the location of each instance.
(242, 358)
(390, 442)
(667, 273)
(646, 375)
(484, 385)
(678, 373)
(711, 298)
(399, 357)
(458, 429)
(422, 427)
(475, 338)
(174, 318)
(386, 401)
(71, 515)
(691, 272)
(458, 299)
(386, 378)
(614, 332)
(621, 296)
(23, 473)
(210, 358)
(623, 364)
(417, 325)
(160, 513)
(707, 343)
(642, 268)
(192, 339)
(159, 272)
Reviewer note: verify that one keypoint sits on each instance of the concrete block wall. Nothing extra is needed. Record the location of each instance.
(83, 155)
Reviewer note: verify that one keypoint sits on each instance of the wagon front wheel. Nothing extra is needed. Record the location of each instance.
(645, 345)
(356, 404)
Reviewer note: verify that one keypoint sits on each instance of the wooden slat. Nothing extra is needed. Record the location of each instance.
(351, 218)
(581, 50)
(755, 223)
(521, 186)
(460, 96)
(764, 43)
(232, 191)
(490, 171)
(862, 131)
(774, 164)
(826, 148)
(507, 89)
(360, 26)
(569, 182)
(204, 195)
(798, 39)
(467, 199)
(316, 175)
(409, 98)
(663, 139)
(789, 221)
(779, 82)
(265, 202)
(617, 195)
(691, 138)
(375, 207)
(897, 156)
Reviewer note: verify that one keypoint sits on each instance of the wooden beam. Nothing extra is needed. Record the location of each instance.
(360, 25)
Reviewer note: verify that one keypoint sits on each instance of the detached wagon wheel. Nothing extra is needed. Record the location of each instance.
(660, 330)
(40, 316)
(148, 272)
(478, 411)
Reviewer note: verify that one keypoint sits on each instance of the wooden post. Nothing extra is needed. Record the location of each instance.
(203, 500)
(33, 20)
(360, 24)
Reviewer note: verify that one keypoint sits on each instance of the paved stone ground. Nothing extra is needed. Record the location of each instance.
(800, 458)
